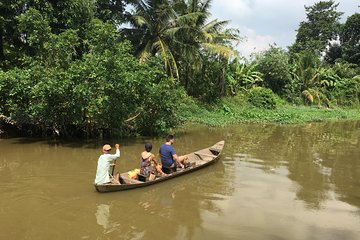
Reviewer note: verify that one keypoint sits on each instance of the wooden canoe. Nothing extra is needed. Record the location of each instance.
(198, 159)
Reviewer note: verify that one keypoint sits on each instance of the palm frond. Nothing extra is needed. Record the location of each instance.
(139, 21)
(145, 52)
(168, 57)
(222, 50)
(308, 96)
(215, 26)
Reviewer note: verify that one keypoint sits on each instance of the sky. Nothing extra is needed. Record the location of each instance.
(265, 22)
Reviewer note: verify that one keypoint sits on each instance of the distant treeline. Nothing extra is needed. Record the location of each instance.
(90, 68)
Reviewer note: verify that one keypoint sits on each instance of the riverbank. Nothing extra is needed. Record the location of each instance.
(230, 111)
(225, 112)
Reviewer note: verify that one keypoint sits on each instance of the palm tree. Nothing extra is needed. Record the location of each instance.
(201, 38)
(153, 23)
(177, 31)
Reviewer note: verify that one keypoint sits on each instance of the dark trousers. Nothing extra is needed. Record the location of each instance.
(170, 169)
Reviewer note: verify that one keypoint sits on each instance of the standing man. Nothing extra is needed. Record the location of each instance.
(106, 160)
(169, 159)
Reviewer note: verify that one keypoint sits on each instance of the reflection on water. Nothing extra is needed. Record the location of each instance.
(102, 216)
(272, 182)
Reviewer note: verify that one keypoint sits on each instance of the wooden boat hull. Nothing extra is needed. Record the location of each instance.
(199, 159)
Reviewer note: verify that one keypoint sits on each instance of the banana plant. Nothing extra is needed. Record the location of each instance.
(243, 77)
(316, 81)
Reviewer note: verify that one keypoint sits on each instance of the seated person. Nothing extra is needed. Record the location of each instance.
(169, 159)
(148, 165)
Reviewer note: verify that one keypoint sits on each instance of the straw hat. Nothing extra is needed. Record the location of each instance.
(106, 147)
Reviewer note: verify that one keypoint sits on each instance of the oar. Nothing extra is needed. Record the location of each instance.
(112, 172)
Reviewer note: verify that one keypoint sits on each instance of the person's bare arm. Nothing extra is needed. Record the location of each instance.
(116, 155)
(175, 156)
(152, 158)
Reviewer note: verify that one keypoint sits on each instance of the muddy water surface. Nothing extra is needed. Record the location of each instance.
(272, 182)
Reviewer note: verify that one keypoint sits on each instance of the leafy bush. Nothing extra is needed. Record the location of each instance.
(159, 109)
(274, 65)
(262, 98)
(207, 84)
(347, 93)
(100, 95)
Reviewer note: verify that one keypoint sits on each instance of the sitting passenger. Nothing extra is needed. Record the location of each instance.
(148, 166)
(169, 159)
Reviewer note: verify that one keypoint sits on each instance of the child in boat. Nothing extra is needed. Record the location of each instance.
(148, 165)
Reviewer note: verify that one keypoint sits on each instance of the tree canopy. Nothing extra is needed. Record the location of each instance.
(77, 68)
(350, 39)
(322, 27)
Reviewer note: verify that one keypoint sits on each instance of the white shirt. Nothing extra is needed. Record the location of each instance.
(103, 167)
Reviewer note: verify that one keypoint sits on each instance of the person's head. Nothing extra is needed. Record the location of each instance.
(170, 139)
(106, 148)
(148, 147)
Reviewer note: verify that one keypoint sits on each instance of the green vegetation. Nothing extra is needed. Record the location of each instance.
(232, 110)
(70, 68)
(228, 112)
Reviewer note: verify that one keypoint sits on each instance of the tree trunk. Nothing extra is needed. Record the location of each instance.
(2, 56)
(222, 82)
(187, 73)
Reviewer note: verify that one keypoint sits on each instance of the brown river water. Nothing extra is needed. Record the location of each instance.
(271, 182)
